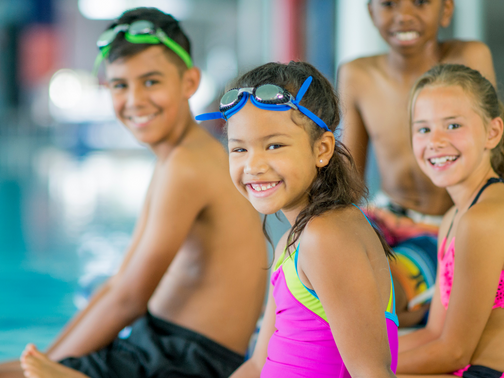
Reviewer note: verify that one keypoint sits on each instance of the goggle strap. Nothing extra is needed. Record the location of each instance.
(272, 107)
(303, 88)
(176, 48)
(209, 116)
(235, 109)
(313, 117)
(141, 38)
(99, 59)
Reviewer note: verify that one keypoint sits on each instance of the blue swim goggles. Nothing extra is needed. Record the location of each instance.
(266, 96)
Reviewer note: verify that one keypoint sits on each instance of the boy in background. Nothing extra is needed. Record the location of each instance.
(375, 92)
(193, 280)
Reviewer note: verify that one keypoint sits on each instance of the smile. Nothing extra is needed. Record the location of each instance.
(140, 120)
(262, 189)
(406, 36)
(442, 160)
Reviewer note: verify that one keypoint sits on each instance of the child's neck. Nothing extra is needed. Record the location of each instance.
(464, 193)
(165, 146)
(415, 63)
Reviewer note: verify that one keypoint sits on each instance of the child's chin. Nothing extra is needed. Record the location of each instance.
(266, 210)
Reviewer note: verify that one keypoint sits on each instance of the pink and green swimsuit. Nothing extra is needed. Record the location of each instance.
(303, 345)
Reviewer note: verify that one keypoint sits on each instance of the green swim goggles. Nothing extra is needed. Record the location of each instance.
(140, 31)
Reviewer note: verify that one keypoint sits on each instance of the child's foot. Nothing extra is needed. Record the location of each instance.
(35, 364)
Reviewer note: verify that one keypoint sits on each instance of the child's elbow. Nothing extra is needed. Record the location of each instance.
(460, 356)
(132, 305)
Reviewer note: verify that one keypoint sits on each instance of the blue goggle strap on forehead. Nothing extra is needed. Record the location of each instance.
(294, 104)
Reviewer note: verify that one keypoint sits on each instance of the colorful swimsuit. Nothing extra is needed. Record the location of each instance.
(303, 345)
(446, 269)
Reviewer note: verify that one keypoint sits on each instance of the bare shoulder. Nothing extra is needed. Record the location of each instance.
(358, 70)
(456, 48)
(194, 164)
(473, 54)
(345, 228)
(483, 223)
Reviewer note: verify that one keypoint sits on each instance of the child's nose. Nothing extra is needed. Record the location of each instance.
(255, 165)
(405, 11)
(437, 139)
(135, 96)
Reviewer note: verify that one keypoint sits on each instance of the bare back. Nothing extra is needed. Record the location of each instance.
(375, 107)
(216, 282)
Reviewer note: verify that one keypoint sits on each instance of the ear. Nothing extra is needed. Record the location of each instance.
(494, 133)
(324, 149)
(447, 13)
(190, 81)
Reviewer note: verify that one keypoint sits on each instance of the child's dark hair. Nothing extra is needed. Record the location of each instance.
(338, 184)
(476, 85)
(120, 48)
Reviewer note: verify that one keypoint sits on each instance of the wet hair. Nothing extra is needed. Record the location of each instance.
(120, 48)
(484, 94)
(336, 185)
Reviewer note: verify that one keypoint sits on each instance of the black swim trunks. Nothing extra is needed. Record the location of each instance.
(477, 371)
(157, 348)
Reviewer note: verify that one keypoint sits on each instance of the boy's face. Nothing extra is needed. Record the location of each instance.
(149, 93)
(408, 24)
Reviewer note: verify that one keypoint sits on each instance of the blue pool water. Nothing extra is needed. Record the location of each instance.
(65, 221)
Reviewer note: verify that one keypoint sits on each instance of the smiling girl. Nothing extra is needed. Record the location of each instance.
(457, 141)
(330, 311)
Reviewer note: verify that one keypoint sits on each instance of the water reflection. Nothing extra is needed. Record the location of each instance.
(66, 215)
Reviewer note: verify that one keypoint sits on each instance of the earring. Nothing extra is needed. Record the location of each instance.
(321, 161)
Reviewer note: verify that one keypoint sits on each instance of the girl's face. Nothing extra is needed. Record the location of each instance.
(450, 140)
(272, 162)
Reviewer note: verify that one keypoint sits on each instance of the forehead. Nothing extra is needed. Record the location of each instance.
(251, 124)
(152, 59)
(443, 101)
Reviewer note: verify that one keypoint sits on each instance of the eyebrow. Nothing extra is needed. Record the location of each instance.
(444, 119)
(143, 76)
(263, 138)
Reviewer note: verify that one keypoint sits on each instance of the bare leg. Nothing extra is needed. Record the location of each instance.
(36, 364)
(11, 369)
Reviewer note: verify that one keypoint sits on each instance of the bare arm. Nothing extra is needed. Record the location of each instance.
(355, 136)
(335, 262)
(472, 296)
(252, 368)
(176, 202)
(431, 331)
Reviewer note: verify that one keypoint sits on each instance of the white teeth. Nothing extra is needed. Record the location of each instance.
(407, 36)
(442, 160)
(261, 187)
(143, 119)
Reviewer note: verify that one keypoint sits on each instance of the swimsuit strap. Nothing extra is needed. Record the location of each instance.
(491, 180)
